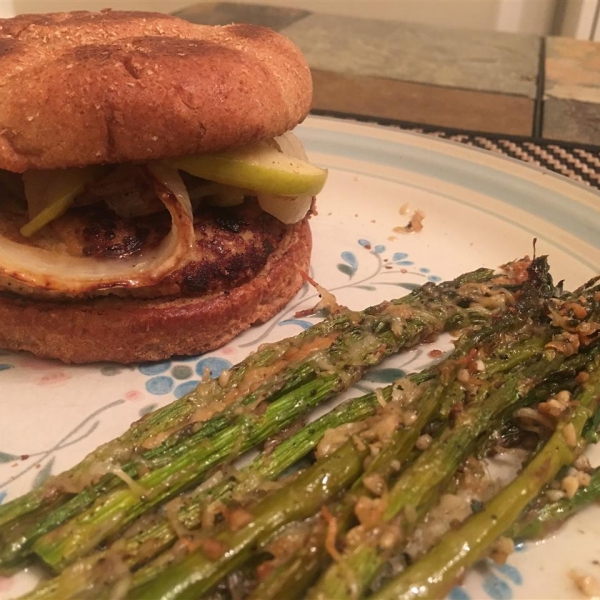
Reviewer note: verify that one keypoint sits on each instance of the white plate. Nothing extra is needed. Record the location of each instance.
(481, 210)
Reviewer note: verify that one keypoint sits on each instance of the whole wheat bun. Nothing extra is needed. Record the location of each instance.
(127, 330)
(83, 88)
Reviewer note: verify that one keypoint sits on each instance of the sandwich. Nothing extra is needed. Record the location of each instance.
(153, 200)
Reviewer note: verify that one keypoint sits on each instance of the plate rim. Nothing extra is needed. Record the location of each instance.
(588, 195)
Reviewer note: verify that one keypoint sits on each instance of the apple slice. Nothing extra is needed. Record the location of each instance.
(50, 193)
(259, 167)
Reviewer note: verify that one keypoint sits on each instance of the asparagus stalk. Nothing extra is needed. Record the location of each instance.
(538, 522)
(435, 574)
(434, 307)
(435, 465)
(313, 488)
(428, 473)
(89, 576)
(373, 341)
(293, 578)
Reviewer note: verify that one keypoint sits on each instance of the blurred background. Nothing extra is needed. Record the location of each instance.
(572, 18)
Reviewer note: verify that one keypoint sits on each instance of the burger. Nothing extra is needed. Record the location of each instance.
(153, 200)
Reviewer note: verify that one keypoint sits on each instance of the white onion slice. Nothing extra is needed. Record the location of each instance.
(290, 145)
(287, 209)
(28, 269)
(284, 208)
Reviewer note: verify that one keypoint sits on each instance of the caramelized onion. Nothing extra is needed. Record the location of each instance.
(28, 269)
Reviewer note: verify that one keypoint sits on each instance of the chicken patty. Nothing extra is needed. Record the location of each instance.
(232, 244)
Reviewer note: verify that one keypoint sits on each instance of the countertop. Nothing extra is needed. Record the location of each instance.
(486, 82)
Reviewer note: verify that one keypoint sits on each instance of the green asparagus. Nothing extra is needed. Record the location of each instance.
(147, 539)
(537, 522)
(435, 574)
(302, 498)
(90, 575)
(114, 510)
(432, 308)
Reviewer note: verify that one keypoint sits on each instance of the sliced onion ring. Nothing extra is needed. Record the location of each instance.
(38, 271)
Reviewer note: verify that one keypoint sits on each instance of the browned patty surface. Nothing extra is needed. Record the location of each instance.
(135, 329)
(232, 244)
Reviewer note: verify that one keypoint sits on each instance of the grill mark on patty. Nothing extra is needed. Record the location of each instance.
(107, 236)
(209, 275)
(230, 222)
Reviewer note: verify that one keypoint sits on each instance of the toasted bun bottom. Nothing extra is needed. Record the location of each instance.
(127, 330)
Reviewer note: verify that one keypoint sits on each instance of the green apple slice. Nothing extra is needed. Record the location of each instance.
(50, 193)
(259, 167)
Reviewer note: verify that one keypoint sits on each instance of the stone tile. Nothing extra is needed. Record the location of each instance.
(571, 121)
(572, 69)
(419, 103)
(223, 13)
(572, 91)
(472, 60)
